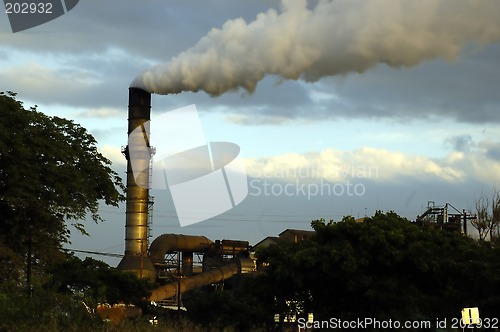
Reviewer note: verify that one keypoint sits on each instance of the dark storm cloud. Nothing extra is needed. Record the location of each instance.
(273, 99)
(150, 29)
(73, 86)
(110, 42)
(462, 143)
(103, 134)
(493, 151)
(465, 90)
(104, 44)
(328, 39)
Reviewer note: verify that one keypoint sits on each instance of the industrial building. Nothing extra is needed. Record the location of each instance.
(178, 262)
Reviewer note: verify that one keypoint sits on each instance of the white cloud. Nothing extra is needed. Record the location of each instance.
(102, 112)
(41, 79)
(378, 165)
(257, 119)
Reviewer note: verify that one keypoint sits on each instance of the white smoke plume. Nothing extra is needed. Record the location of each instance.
(331, 38)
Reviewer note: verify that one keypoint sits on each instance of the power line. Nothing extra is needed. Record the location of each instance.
(95, 252)
(37, 245)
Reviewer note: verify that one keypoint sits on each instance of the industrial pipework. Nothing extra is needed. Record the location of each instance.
(199, 280)
(213, 272)
(136, 224)
(138, 258)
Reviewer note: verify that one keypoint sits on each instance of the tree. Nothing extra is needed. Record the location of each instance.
(11, 269)
(94, 281)
(487, 219)
(68, 299)
(240, 308)
(50, 173)
(386, 268)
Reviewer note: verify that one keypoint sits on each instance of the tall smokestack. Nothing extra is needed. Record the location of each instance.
(136, 224)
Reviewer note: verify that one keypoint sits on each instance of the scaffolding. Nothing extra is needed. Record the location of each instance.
(446, 217)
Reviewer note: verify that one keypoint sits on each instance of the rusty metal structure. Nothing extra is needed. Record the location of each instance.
(221, 260)
(446, 217)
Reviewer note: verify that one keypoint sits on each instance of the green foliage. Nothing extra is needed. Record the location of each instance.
(238, 309)
(59, 304)
(51, 176)
(50, 172)
(44, 311)
(95, 282)
(11, 268)
(55, 312)
(386, 268)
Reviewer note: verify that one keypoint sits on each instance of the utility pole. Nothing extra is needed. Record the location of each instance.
(179, 276)
(466, 218)
(465, 222)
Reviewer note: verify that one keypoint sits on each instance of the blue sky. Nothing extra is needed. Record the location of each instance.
(408, 89)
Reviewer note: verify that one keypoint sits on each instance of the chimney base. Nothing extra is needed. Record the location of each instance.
(139, 265)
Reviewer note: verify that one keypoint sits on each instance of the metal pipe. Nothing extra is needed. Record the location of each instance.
(215, 275)
(166, 243)
(199, 280)
(137, 204)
